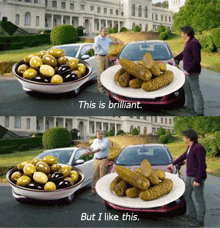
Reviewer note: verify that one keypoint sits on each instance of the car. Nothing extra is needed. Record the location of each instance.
(81, 51)
(159, 157)
(160, 51)
(73, 157)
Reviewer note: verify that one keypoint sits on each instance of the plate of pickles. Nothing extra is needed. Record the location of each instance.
(51, 72)
(44, 179)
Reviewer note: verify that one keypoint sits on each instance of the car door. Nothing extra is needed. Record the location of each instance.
(87, 49)
(86, 167)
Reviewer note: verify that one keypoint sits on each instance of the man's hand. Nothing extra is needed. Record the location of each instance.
(186, 73)
(170, 168)
(88, 153)
(196, 184)
(171, 61)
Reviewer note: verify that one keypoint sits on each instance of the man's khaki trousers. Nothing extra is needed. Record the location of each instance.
(102, 65)
(99, 170)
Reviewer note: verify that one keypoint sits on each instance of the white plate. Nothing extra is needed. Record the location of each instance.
(107, 79)
(103, 189)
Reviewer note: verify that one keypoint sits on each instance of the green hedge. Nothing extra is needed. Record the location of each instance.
(9, 27)
(6, 66)
(163, 139)
(4, 170)
(216, 37)
(17, 42)
(33, 142)
(210, 147)
(207, 43)
(164, 35)
(8, 149)
(217, 138)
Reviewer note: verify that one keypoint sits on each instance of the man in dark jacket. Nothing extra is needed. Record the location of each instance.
(196, 175)
(191, 56)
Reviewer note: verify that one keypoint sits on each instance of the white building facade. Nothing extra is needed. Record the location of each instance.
(87, 125)
(175, 5)
(37, 15)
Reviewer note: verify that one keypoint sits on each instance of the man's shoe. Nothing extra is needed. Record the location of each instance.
(92, 194)
(196, 223)
(187, 218)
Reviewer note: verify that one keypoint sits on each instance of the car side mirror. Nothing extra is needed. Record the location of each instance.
(85, 57)
(79, 161)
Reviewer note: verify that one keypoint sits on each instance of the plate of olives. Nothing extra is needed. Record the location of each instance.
(44, 179)
(51, 72)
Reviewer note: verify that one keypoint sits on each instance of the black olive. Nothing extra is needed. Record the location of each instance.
(70, 77)
(57, 177)
(63, 184)
(34, 185)
(64, 70)
(40, 78)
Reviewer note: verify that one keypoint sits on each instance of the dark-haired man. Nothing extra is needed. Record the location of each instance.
(191, 56)
(196, 175)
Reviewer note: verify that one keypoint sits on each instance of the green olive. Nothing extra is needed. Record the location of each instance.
(57, 53)
(27, 58)
(35, 161)
(29, 169)
(42, 53)
(70, 180)
(49, 60)
(56, 168)
(36, 62)
(22, 164)
(43, 167)
(40, 177)
(63, 60)
(66, 170)
(22, 68)
(16, 175)
(47, 70)
(23, 181)
(30, 73)
(50, 160)
(49, 186)
(77, 73)
(73, 63)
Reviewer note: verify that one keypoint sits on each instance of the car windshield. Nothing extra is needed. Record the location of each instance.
(135, 51)
(69, 50)
(131, 156)
(63, 156)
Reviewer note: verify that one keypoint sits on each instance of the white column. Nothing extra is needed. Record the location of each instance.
(44, 123)
(64, 122)
(52, 18)
(115, 129)
(102, 126)
(109, 126)
(100, 24)
(106, 24)
(61, 20)
(80, 21)
(95, 127)
(119, 27)
(54, 121)
(112, 24)
(93, 26)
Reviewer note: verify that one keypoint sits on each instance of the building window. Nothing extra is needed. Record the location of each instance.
(82, 7)
(144, 117)
(139, 11)
(111, 11)
(161, 17)
(19, 0)
(165, 18)
(28, 123)
(46, 2)
(37, 20)
(169, 19)
(156, 17)
(54, 4)
(27, 0)
(145, 12)
(17, 19)
(17, 122)
(38, 125)
(161, 120)
(63, 5)
(138, 117)
(122, 13)
(165, 120)
(27, 19)
(47, 125)
(155, 119)
(6, 121)
(105, 10)
(152, 16)
(36, 1)
(155, 27)
(91, 8)
(116, 12)
(98, 10)
(133, 10)
(170, 121)
(72, 6)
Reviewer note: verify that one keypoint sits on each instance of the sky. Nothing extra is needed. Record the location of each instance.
(156, 1)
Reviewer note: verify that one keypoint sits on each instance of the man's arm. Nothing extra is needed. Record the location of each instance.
(200, 155)
(179, 57)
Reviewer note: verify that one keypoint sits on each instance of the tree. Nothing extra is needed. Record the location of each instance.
(161, 28)
(200, 14)
(202, 125)
(161, 131)
(135, 131)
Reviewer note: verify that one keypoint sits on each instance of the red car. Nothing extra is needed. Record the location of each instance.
(160, 157)
(160, 51)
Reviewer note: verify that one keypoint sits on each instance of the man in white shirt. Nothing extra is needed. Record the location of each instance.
(101, 47)
(100, 149)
